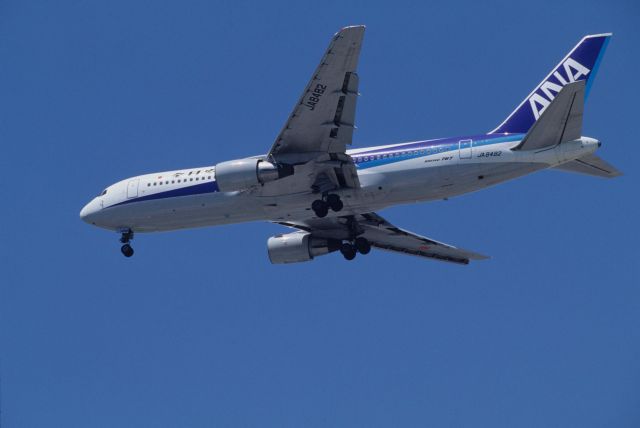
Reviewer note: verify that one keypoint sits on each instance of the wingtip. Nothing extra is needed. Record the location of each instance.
(475, 258)
(351, 28)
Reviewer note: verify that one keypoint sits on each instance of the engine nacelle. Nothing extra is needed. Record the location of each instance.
(241, 174)
(298, 247)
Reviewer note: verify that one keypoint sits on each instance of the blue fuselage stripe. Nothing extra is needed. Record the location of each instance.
(198, 189)
(369, 158)
(384, 156)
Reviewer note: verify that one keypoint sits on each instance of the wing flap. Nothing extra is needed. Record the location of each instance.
(388, 237)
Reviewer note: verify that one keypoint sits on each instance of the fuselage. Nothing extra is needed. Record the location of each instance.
(389, 175)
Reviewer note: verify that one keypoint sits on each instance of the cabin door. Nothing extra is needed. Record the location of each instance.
(132, 188)
(464, 149)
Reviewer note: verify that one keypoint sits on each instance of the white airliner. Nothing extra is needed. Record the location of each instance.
(310, 182)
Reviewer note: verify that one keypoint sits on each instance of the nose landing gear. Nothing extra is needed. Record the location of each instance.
(127, 249)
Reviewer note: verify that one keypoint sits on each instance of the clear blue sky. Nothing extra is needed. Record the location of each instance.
(199, 330)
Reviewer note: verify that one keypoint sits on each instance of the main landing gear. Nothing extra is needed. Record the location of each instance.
(355, 244)
(359, 245)
(321, 206)
(127, 249)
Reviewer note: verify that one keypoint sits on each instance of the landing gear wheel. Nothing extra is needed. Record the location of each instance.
(348, 251)
(127, 250)
(362, 245)
(320, 208)
(334, 202)
(125, 238)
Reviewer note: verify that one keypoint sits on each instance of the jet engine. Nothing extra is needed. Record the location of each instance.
(298, 247)
(241, 174)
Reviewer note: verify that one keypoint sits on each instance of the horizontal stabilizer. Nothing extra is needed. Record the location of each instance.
(590, 165)
(560, 122)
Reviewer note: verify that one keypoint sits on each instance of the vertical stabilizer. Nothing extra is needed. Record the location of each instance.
(580, 64)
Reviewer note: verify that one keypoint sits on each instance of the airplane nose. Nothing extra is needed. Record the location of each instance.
(87, 212)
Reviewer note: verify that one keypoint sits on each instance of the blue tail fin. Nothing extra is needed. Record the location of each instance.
(580, 64)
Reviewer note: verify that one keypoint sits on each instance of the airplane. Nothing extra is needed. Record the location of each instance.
(328, 195)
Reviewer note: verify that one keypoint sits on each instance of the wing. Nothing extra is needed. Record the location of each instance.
(385, 236)
(322, 121)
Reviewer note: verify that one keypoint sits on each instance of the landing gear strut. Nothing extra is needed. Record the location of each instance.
(321, 206)
(127, 249)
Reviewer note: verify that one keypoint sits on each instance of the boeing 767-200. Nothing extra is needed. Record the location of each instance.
(310, 182)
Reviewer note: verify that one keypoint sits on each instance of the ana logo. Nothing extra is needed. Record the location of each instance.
(573, 71)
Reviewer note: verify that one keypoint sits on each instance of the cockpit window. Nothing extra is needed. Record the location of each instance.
(104, 192)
